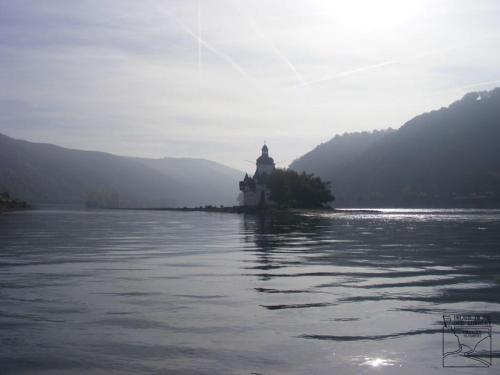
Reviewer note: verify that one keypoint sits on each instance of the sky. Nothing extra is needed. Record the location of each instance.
(215, 79)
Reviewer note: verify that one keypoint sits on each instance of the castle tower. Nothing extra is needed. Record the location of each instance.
(265, 164)
(254, 191)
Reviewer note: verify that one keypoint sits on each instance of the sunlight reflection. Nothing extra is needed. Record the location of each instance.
(378, 362)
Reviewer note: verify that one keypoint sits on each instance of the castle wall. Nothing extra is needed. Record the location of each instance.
(264, 168)
(250, 198)
(253, 198)
(254, 193)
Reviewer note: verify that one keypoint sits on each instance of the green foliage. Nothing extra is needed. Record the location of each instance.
(300, 190)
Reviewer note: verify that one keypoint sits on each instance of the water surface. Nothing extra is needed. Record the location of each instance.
(103, 292)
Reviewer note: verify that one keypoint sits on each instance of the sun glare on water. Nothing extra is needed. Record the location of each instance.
(377, 362)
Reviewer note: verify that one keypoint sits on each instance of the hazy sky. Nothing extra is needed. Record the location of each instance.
(214, 79)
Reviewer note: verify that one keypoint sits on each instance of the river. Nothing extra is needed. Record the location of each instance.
(157, 292)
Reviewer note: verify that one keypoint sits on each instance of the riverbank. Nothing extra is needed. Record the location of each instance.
(9, 205)
(253, 210)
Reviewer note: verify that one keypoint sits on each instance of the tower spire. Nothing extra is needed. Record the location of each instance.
(265, 150)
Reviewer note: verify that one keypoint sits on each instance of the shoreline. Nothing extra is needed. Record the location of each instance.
(4, 210)
(251, 210)
(12, 206)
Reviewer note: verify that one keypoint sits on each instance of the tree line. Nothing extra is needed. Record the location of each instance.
(297, 190)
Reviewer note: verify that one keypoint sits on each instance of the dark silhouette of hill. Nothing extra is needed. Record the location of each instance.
(44, 173)
(444, 158)
(329, 158)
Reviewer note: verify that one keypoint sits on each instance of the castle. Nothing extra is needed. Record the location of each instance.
(254, 192)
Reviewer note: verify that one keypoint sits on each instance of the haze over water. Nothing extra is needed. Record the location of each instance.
(102, 292)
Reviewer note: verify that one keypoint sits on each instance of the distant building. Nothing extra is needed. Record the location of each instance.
(254, 192)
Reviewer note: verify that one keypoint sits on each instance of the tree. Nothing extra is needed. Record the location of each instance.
(300, 190)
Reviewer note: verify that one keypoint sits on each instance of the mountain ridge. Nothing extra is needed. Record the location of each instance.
(47, 173)
(442, 158)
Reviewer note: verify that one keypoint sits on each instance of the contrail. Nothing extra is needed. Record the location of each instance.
(212, 49)
(351, 72)
(280, 53)
(202, 42)
(287, 61)
(376, 66)
(199, 44)
(392, 62)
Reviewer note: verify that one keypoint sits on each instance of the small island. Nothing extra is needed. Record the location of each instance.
(10, 204)
(274, 190)
(283, 188)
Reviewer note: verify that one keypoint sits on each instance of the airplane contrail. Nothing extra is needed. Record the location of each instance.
(287, 61)
(351, 72)
(212, 49)
(204, 43)
(376, 66)
(199, 44)
(393, 62)
(276, 50)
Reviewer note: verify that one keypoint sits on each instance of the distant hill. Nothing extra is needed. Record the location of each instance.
(44, 173)
(207, 182)
(444, 158)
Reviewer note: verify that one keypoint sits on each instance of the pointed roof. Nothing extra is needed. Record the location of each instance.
(264, 158)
